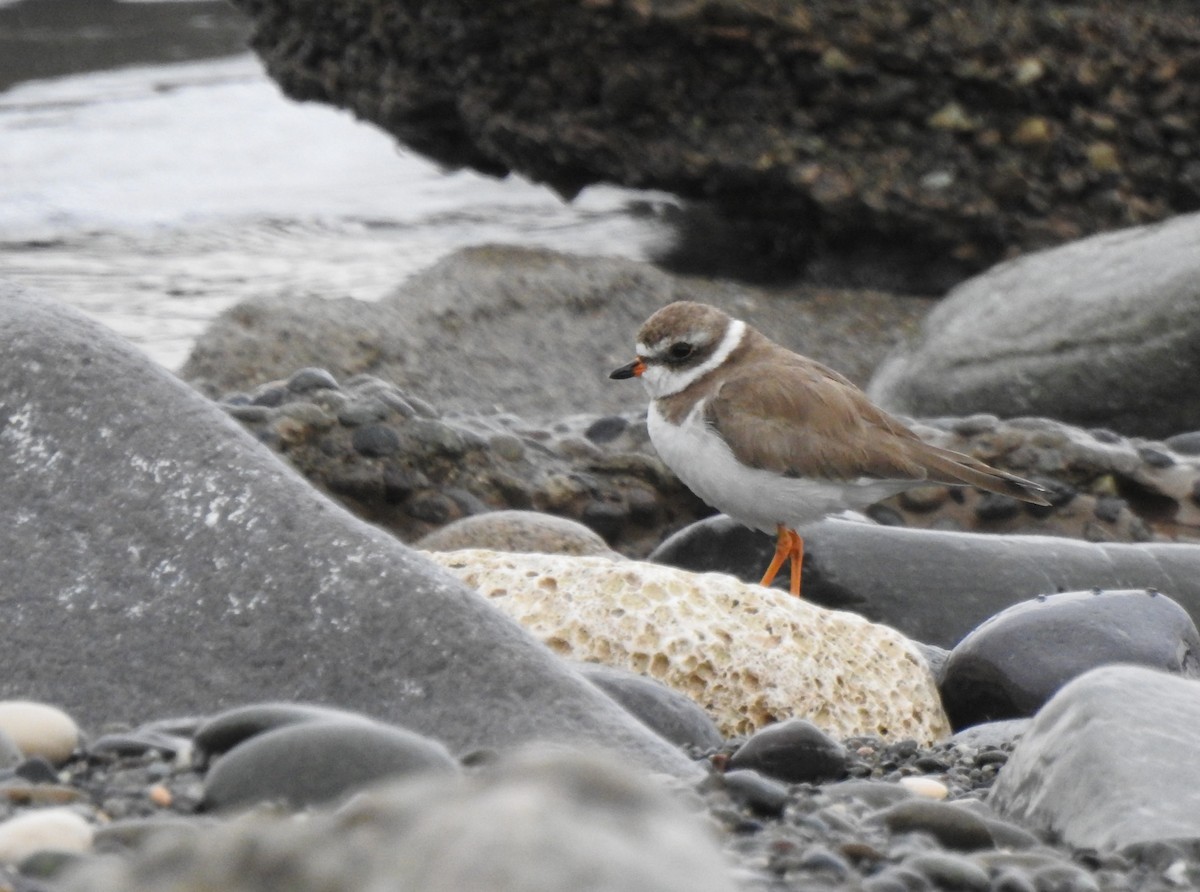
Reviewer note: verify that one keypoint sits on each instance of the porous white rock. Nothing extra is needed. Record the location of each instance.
(747, 654)
(53, 829)
(39, 729)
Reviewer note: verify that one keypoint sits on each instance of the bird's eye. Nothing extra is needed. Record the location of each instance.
(680, 350)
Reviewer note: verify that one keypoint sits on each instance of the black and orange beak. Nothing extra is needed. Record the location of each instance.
(632, 370)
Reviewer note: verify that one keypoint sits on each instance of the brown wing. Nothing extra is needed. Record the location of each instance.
(791, 415)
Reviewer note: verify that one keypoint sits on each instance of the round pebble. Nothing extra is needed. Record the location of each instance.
(314, 762)
(517, 531)
(39, 729)
(43, 829)
(795, 751)
(309, 379)
(375, 440)
(951, 825)
(925, 787)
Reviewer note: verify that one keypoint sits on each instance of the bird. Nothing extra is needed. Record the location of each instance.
(776, 440)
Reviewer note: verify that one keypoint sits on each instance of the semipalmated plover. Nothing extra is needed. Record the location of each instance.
(775, 439)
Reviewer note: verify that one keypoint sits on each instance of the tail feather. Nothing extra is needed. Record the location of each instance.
(950, 467)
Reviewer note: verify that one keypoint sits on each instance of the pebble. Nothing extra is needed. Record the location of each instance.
(794, 751)
(309, 379)
(42, 829)
(222, 732)
(39, 729)
(666, 711)
(951, 825)
(925, 787)
(375, 440)
(314, 762)
(517, 531)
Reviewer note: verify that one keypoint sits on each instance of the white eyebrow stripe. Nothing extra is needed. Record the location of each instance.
(671, 381)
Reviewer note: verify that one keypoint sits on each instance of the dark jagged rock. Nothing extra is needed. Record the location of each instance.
(908, 143)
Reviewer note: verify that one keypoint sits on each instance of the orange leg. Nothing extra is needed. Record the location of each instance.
(788, 546)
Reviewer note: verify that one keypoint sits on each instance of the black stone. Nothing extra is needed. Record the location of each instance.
(1013, 663)
(952, 825)
(375, 440)
(796, 751)
(606, 429)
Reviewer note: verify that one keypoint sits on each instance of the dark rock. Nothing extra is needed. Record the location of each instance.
(851, 140)
(36, 770)
(138, 742)
(946, 871)
(310, 379)
(306, 763)
(719, 544)
(795, 751)
(1098, 332)
(222, 732)
(1187, 444)
(1109, 761)
(226, 578)
(1013, 663)
(761, 794)
(269, 396)
(606, 429)
(904, 578)
(953, 826)
(375, 440)
(665, 711)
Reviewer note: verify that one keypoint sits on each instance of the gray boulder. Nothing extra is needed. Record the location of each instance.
(1110, 761)
(1101, 332)
(521, 330)
(1011, 665)
(155, 559)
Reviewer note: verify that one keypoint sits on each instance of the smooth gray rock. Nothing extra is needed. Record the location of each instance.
(157, 560)
(905, 578)
(1011, 665)
(667, 712)
(477, 329)
(222, 732)
(307, 763)
(1100, 332)
(1110, 761)
(795, 751)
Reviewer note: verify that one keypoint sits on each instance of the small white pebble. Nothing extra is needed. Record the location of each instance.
(925, 787)
(39, 729)
(58, 829)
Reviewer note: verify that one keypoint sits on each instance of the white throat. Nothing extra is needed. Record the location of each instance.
(661, 380)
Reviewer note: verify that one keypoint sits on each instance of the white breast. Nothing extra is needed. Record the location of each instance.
(757, 498)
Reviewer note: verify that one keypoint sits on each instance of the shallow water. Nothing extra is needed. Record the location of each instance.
(153, 197)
